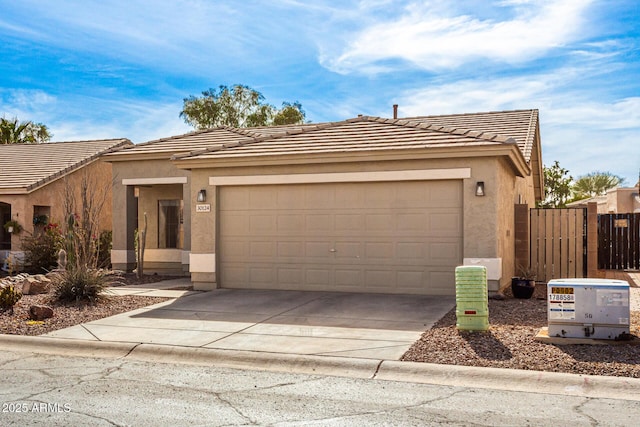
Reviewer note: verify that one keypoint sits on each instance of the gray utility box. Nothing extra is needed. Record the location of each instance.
(588, 308)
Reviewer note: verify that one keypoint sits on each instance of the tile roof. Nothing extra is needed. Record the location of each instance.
(25, 167)
(166, 147)
(518, 124)
(353, 135)
(357, 134)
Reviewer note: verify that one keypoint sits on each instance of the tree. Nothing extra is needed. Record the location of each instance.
(14, 132)
(557, 186)
(595, 184)
(238, 106)
(289, 114)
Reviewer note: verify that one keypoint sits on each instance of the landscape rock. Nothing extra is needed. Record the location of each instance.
(40, 312)
(38, 284)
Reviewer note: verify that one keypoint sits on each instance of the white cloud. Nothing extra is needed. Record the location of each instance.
(620, 114)
(584, 135)
(433, 39)
(478, 95)
(25, 104)
(139, 121)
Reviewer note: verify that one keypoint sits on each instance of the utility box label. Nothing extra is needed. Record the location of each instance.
(562, 303)
(611, 298)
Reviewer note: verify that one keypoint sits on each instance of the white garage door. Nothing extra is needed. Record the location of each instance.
(389, 237)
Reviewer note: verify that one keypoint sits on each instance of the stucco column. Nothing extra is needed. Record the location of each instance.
(186, 218)
(125, 213)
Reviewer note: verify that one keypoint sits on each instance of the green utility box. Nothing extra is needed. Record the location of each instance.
(472, 301)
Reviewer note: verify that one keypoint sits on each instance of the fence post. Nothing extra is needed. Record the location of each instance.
(592, 239)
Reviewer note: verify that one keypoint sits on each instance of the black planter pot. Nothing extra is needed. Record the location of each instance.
(522, 288)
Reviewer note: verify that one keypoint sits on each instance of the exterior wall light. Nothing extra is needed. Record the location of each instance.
(202, 196)
(480, 188)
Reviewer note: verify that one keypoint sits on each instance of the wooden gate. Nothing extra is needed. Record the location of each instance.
(619, 241)
(558, 243)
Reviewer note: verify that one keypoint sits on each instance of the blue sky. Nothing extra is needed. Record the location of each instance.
(111, 68)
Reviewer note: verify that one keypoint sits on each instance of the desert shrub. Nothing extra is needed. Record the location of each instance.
(9, 297)
(82, 284)
(41, 250)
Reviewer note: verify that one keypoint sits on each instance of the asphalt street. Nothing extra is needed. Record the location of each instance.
(55, 390)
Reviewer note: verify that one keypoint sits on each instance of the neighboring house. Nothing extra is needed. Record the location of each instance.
(616, 200)
(363, 205)
(33, 179)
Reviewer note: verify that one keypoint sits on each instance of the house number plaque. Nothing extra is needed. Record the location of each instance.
(203, 208)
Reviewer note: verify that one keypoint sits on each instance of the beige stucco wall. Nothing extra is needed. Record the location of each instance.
(22, 205)
(621, 200)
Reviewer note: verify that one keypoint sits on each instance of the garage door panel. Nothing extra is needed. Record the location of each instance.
(294, 197)
(262, 224)
(290, 249)
(261, 200)
(348, 277)
(379, 222)
(380, 279)
(316, 249)
(264, 249)
(347, 250)
(349, 222)
(376, 251)
(414, 222)
(319, 223)
(235, 200)
(410, 252)
(348, 195)
(318, 276)
(319, 199)
(290, 276)
(446, 194)
(380, 237)
(235, 224)
(381, 195)
(265, 275)
(291, 223)
(410, 281)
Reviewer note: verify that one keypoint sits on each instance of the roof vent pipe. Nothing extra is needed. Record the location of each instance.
(395, 111)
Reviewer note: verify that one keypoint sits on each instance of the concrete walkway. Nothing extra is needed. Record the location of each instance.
(369, 326)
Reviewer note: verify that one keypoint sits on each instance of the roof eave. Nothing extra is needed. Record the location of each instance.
(126, 157)
(511, 151)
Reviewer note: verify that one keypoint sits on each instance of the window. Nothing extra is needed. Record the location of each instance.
(170, 229)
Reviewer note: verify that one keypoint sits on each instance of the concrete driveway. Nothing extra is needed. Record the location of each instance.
(370, 326)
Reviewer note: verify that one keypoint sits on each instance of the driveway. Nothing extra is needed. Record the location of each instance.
(371, 326)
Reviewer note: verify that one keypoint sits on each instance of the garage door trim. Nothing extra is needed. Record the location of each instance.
(312, 178)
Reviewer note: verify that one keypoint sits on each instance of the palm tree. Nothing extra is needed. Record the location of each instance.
(14, 132)
(595, 184)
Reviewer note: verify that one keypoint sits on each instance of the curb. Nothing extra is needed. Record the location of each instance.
(65, 347)
(388, 370)
(512, 379)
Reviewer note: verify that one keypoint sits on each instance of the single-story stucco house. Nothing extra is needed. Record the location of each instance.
(33, 179)
(363, 205)
(615, 200)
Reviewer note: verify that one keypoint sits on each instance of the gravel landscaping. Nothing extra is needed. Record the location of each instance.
(71, 315)
(510, 343)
